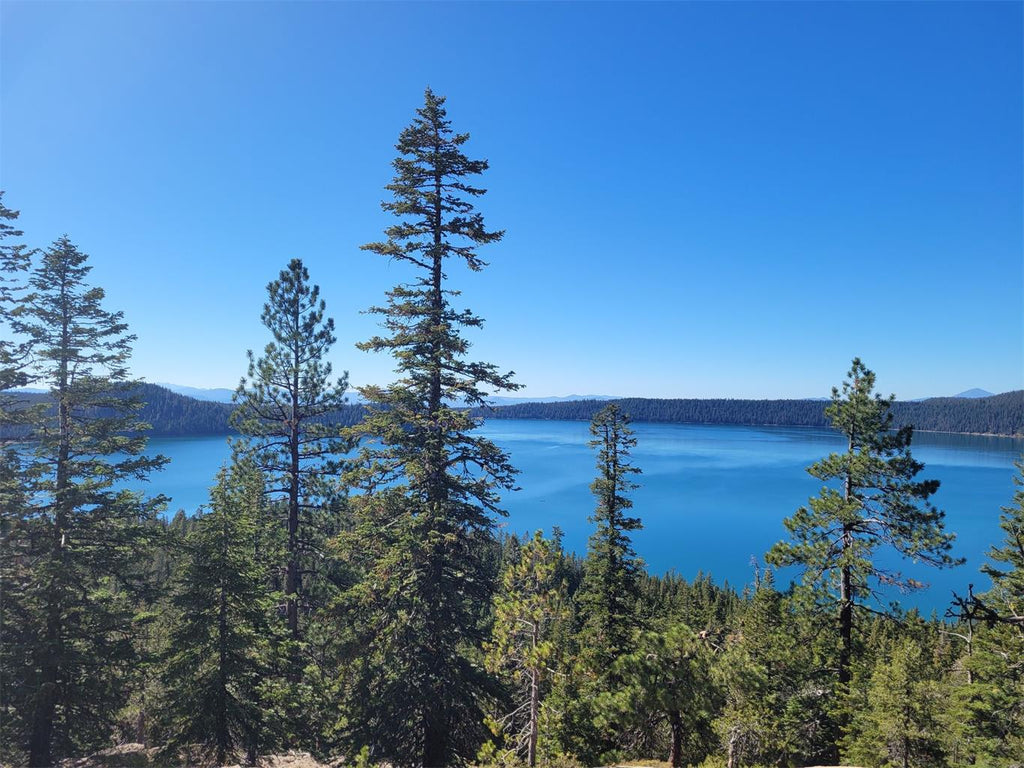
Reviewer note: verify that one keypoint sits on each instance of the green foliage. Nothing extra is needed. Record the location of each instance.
(901, 723)
(607, 600)
(993, 701)
(871, 500)
(996, 415)
(425, 527)
(527, 610)
(223, 642)
(282, 411)
(664, 685)
(611, 581)
(83, 539)
(775, 684)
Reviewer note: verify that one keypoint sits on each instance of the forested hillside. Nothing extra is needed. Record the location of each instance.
(172, 415)
(997, 415)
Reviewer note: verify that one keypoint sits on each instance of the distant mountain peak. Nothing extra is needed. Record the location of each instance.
(974, 392)
(216, 395)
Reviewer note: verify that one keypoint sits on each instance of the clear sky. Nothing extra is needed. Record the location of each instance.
(701, 199)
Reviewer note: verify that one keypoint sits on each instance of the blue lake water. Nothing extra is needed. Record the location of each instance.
(711, 497)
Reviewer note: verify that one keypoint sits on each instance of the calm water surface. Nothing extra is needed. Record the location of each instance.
(711, 497)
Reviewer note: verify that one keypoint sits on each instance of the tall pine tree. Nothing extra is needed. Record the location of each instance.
(90, 536)
(284, 412)
(430, 483)
(611, 581)
(873, 500)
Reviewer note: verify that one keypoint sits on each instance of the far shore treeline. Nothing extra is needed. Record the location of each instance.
(170, 414)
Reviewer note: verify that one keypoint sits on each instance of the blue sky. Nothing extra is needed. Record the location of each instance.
(703, 199)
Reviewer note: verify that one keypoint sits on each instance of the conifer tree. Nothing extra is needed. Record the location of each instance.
(607, 598)
(284, 412)
(430, 484)
(901, 724)
(526, 610)
(90, 536)
(15, 637)
(873, 500)
(665, 680)
(15, 261)
(775, 709)
(221, 646)
(611, 571)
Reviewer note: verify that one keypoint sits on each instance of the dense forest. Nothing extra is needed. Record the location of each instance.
(997, 415)
(169, 414)
(172, 415)
(345, 592)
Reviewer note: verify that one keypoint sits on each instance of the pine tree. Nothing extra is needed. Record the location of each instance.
(878, 502)
(430, 484)
(665, 680)
(531, 603)
(90, 536)
(221, 645)
(611, 582)
(284, 412)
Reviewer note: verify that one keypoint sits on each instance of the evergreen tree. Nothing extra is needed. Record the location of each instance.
(878, 502)
(220, 647)
(665, 680)
(15, 261)
(90, 537)
(529, 606)
(283, 412)
(901, 724)
(14, 534)
(431, 485)
(771, 677)
(607, 599)
(611, 581)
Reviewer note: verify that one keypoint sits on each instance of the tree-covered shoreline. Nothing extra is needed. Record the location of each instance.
(998, 416)
(174, 415)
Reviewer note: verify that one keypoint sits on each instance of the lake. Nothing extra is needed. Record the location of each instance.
(711, 497)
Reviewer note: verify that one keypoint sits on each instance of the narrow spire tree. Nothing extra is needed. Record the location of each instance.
(431, 485)
(90, 536)
(611, 570)
(284, 413)
(873, 501)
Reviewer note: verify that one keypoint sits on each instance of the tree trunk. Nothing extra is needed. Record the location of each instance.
(48, 696)
(531, 748)
(291, 584)
(733, 757)
(675, 755)
(223, 737)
